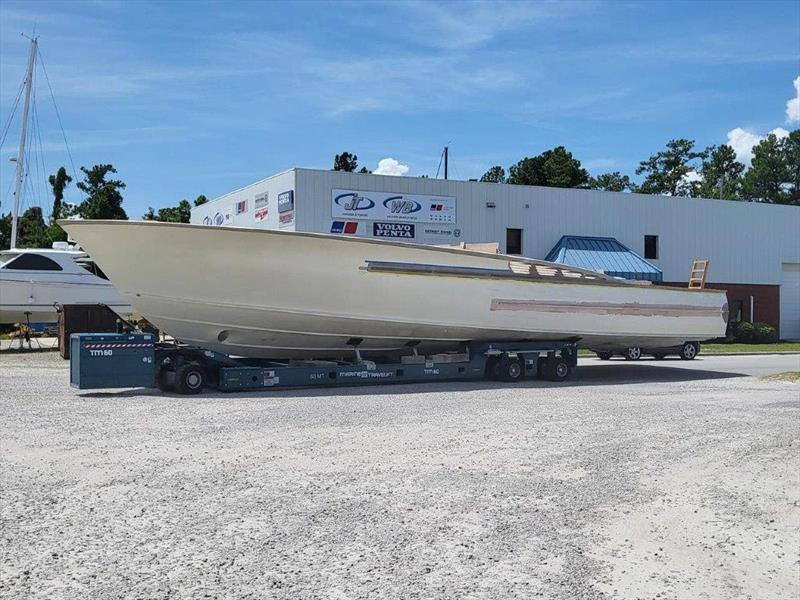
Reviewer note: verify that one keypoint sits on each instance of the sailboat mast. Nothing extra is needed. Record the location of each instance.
(23, 136)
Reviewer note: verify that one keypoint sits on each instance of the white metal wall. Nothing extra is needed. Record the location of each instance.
(223, 210)
(746, 242)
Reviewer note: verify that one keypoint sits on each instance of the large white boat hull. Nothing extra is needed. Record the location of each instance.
(284, 294)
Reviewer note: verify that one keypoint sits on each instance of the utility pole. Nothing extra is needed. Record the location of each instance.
(446, 152)
(22, 139)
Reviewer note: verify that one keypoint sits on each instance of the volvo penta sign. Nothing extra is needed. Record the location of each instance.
(390, 206)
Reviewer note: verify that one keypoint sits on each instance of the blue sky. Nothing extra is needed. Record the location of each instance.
(187, 98)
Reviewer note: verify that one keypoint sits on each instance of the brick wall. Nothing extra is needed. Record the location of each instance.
(766, 300)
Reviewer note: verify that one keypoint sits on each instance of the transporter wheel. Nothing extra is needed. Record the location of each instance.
(690, 350)
(633, 353)
(189, 378)
(164, 379)
(604, 355)
(510, 368)
(557, 369)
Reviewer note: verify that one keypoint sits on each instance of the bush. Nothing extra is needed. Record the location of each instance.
(744, 332)
(755, 333)
(765, 334)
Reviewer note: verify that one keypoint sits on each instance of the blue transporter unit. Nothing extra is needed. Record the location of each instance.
(137, 360)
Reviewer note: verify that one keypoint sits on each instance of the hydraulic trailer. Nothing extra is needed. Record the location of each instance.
(139, 360)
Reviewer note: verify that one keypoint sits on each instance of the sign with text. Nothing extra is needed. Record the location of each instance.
(390, 206)
(394, 230)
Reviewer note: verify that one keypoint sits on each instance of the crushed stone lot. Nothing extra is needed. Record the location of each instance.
(674, 481)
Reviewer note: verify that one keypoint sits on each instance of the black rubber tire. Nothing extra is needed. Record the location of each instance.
(604, 355)
(510, 368)
(632, 353)
(189, 378)
(690, 350)
(557, 369)
(164, 380)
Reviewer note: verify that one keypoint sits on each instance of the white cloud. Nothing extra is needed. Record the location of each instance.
(692, 176)
(742, 142)
(389, 166)
(793, 105)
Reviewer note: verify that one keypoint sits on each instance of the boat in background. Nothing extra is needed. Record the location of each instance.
(33, 282)
(269, 294)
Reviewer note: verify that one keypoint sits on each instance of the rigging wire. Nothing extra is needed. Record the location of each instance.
(441, 158)
(14, 107)
(58, 113)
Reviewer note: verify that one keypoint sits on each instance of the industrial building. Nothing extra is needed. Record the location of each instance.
(754, 248)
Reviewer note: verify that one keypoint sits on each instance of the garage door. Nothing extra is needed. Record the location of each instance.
(790, 302)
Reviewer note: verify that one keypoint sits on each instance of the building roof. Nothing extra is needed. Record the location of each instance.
(604, 255)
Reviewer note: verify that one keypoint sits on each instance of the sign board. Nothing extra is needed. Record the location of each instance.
(394, 230)
(390, 206)
(261, 206)
(344, 227)
(286, 201)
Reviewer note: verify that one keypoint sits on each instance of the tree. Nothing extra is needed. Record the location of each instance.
(104, 199)
(177, 214)
(58, 182)
(200, 200)
(552, 168)
(768, 173)
(364, 170)
(721, 174)
(496, 174)
(5, 231)
(345, 162)
(32, 230)
(611, 182)
(792, 153)
(667, 171)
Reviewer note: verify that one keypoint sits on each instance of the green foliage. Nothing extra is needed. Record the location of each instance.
(496, 174)
(176, 214)
(5, 231)
(755, 333)
(201, 199)
(32, 230)
(722, 174)
(364, 170)
(552, 168)
(666, 171)
(768, 172)
(611, 182)
(792, 154)
(104, 199)
(765, 333)
(58, 182)
(345, 162)
(744, 332)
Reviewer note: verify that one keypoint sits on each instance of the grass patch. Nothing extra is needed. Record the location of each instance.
(791, 376)
(764, 348)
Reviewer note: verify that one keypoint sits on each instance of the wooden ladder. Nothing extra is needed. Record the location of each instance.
(697, 278)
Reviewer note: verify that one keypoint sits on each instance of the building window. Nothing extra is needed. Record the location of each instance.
(32, 262)
(513, 241)
(651, 247)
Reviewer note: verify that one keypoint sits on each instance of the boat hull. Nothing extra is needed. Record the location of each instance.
(284, 294)
(25, 300)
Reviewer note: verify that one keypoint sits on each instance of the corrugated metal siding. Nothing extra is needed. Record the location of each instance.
(746, 242)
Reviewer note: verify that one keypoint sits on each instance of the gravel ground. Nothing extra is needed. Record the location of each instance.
(632, 481)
